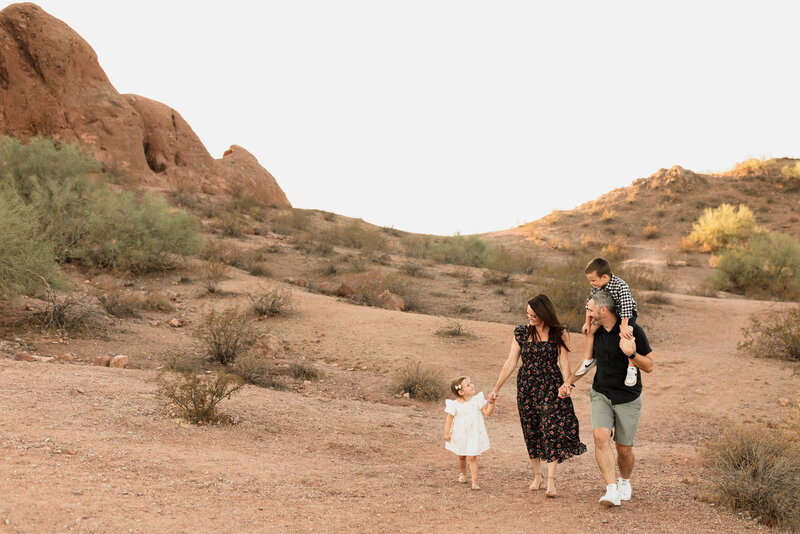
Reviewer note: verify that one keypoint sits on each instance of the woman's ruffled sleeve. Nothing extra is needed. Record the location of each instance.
(521, 333)
(450, 407)
(480, 400)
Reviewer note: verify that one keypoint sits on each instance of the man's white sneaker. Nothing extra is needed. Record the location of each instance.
(630, 379)
(611, 498)
(585, 366)
(624, 488)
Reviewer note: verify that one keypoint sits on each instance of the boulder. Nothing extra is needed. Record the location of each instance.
(102, 361)
(120, 361)
(24, 357)
(66, 357)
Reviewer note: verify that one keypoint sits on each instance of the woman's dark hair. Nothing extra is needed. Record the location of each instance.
(543, 307)
(455, 385)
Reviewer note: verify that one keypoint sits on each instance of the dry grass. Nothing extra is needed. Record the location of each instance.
(121, 303)
(70, 316)
(157, 302)
(211, 274)
(651, 231)
(254, 370)
(272, 300)
(453, 328)
(757, 470)
(421, 381)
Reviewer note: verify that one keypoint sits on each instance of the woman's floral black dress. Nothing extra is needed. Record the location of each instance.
(548, 423)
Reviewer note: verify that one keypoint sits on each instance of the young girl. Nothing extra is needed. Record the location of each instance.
(464, 431)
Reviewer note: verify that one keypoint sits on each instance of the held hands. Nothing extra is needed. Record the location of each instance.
(564, 391)
(627, 345)
(492, 397)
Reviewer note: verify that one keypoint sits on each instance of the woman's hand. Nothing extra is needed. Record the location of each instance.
(492, 396)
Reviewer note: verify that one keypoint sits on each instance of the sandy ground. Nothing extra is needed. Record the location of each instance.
(90, 449)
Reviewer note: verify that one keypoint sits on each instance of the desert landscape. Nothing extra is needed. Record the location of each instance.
(332, 323)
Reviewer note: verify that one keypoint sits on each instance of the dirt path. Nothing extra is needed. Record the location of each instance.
(88, 449)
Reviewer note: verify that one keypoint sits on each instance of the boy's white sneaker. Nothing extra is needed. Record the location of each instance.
(585, 366)
(630, 378)
(624, 488)
(611, 498)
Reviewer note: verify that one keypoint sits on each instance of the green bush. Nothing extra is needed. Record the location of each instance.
(138, 235)
(767, 266)
(83, 218)
(756, 469)
(354, 234)
(773, 334)
(471, 251)
(26, 260)
(567, 287)
(722, 227)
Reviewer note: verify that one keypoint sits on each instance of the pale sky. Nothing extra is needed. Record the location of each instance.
(461, 116)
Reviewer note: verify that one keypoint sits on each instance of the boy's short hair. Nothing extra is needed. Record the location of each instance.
(599, 266)
(455, 385)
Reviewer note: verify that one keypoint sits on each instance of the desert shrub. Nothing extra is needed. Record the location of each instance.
(757, 469)
(289, 222)
(767, 265)
(70, 316)
(272, 300)
(453, 328)
(121, 303)
(369, 285)
(157, 302)
(791, 417)
(225, 252)
(26, 259)
(722, 227)
(567, 287)
(608, 215)
(228, 334)
(84, 219)
(137, 234)
(183, 362)
(459, 250)
(615, 251)
(260, 268)
(792, 171)
(254, 370)
(211, 274)
(494, 277)
(421, 381)
(356, 234)
(703, 291)
(196, 396)
(643, 277)
(773, 334)
(658, 299)
(751, 167)
(302, 370)
(230, 224)
(650, 231)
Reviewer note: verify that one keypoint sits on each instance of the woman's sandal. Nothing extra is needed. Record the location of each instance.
(554, 493)
(537, 483)
(462, 478)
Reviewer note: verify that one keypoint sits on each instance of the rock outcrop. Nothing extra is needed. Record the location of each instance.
(51, 84)
(675, 179)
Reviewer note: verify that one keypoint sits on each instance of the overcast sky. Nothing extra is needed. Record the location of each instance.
(459, 116)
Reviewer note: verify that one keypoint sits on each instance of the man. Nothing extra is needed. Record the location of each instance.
(615, 407)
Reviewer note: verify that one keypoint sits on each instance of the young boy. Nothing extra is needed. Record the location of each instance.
(598, 271)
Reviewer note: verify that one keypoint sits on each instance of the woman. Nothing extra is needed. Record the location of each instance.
(548, 422)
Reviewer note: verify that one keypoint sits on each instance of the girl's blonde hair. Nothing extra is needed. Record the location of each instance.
(455, 385)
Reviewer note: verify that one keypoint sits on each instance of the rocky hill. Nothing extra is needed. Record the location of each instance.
(51, 84)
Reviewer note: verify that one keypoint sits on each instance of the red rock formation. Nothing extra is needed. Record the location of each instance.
(52, 84)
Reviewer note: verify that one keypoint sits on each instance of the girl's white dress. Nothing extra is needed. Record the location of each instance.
(468, 435)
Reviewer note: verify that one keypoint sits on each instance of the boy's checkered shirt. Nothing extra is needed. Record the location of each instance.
(621, 293)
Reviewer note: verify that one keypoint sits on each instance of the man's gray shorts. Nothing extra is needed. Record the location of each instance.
(622, 418)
